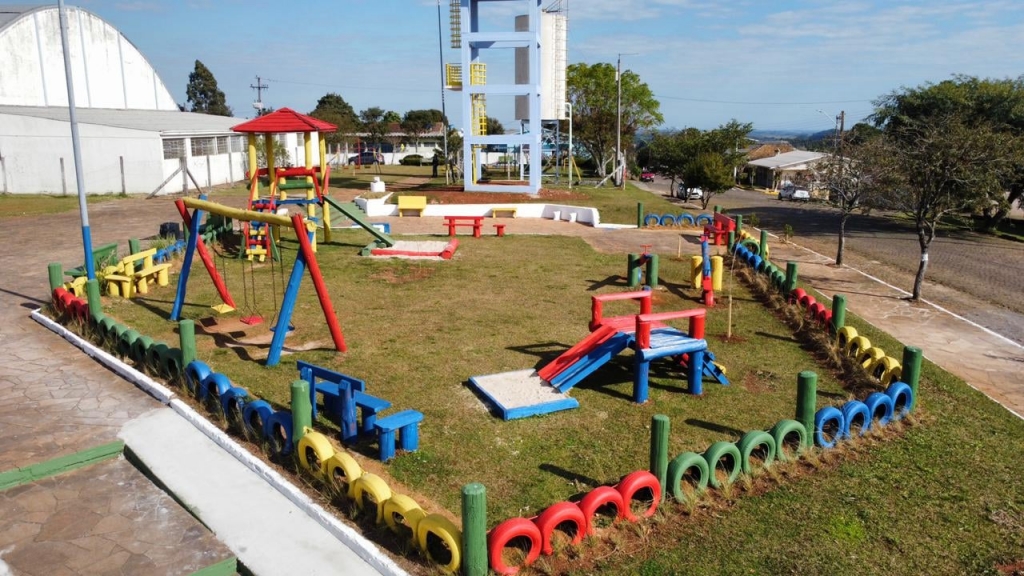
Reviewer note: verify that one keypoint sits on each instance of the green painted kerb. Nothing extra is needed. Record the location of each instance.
(474, 530)
(34, 472)
(223, 568)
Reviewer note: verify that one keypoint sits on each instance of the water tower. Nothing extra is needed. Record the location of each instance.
(536, 82)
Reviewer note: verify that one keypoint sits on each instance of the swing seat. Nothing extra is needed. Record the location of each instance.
(222, 309)
(251, 320)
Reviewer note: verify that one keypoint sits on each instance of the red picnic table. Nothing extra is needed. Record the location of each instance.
(452, 222)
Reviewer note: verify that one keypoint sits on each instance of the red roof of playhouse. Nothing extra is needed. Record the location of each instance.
(284, 120)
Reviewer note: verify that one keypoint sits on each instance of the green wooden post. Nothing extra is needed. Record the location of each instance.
(838, 313)
(763, 248)
(911, 371)
(56, 273)
(659, 450)
(302, 410)
(92, 294)
(791, 277)
(732, 240)
(806, 402)
(652, 271)
(474, 530)
(633, 270)
(187, 341)
(639, 214)
(133, 246)
(739, 225)
(718, 209)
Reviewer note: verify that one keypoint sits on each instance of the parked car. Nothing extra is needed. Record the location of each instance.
(368, 157)
(794, 192)
(647, 176)
(689, 193)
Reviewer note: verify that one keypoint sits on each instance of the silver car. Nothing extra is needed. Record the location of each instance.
(794, 193)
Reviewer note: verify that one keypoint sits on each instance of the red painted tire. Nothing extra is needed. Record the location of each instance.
(66, 303)
(58, 298)
(825, 317)
(595, 499)
(556, 515)
(502, 534)
(797, 295)
(806, 301)
(79, 309)
(633, 483)
(814, 310)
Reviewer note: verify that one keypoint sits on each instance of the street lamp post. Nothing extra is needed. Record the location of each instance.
(569, 104)
(620, 167)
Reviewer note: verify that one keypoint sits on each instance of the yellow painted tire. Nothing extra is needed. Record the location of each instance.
(845, 336)
(856, 346)
(448, 533)
(342, 473)
(868, 358)
(884, 367)
(315, 444)
(892, 375)
(373, 486)
(408, 509)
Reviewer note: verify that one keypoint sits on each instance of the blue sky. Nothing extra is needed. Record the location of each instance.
(773, 63)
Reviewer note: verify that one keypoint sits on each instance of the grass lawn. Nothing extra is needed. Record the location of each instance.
(41, 204)
(943, 497)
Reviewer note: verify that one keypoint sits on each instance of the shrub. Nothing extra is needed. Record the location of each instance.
(411, 160)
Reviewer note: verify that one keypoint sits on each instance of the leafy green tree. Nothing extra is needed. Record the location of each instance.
(203, 94)
(372, 122)
(392, 117)
(941, 167)
(592, 92)
(850, 175)
(998, 103)
(710, 172)
(331, 107)
(700, 159)
(494, 126)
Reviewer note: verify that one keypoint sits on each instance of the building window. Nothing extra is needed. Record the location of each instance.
(222, 144)
(204, 146)
(238, 144)
(174, 148)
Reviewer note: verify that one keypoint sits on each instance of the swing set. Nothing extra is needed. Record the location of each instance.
(306, 258)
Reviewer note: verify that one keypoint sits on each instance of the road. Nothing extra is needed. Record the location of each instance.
(984, 273)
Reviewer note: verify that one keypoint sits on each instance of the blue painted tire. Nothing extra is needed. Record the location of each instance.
(277, 431)
(749, 443)
(195, 373)
(902, 399)
(880, 407)
(755, 262)
(828, 416)
(703, 219)
(854, 411)
(212, 389)
(667, 220)
(783, 433)
(685, 219)
(677, 471)
(254, 419)
(232, 403)
(651, 219)
(715, 454)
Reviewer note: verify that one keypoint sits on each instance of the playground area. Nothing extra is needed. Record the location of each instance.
(417, 331)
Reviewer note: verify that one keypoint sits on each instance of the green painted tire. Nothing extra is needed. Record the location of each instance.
(679, 466)
(782, 432)
(171, 364)
(749, 443)
(140, 350)
(154, 357)
(715, 454)
(126, 342)
(105, 329)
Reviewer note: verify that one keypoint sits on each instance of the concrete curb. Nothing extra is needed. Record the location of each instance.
(363, 548)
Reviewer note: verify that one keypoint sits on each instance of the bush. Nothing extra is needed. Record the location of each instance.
(411, 160)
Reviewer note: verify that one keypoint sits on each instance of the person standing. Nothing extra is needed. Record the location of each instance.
(433, 165)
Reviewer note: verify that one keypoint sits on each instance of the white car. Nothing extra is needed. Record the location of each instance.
(690, 193)
(794, 193)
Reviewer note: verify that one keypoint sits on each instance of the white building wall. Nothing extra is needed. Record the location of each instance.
(108, 71)
(31, 150)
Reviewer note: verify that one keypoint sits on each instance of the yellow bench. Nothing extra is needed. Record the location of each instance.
(511, 211)
(123, 280)
(418, 203)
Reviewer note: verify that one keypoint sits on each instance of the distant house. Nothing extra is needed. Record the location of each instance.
(397, 144)
(767, 149)
(796, 166)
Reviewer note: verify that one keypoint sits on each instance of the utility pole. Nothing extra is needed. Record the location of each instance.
(444, 113)
(618, 122)
(259, 87)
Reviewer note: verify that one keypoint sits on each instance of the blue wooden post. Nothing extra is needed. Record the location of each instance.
(409, 437)
(186, 265)
(641, 369)
(284, 317)
(696, 372)
(349, 426)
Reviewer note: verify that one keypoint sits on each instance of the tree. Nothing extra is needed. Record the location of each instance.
(592, 92)
(850, 176)
(709, 172)
(416, 123)
(203, 94)
(494, 126)
(700, 159)
(940, 167)
(392, 117)
(331, 107)
(372, 121)
(996, 102)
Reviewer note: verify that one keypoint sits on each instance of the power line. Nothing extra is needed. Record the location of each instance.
(760, 103)
(345, 87)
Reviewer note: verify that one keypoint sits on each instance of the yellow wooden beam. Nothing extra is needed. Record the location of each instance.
(237, 213)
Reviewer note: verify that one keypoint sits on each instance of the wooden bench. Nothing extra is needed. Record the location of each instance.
(452, 222)
(510, 210)
(337, 390)
(406, 423)
(102, 257)
(369, 406)
(417, 203)
(718, 230)
(123, 280)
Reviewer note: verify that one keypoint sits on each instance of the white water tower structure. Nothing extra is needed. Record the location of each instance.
(536, 83)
